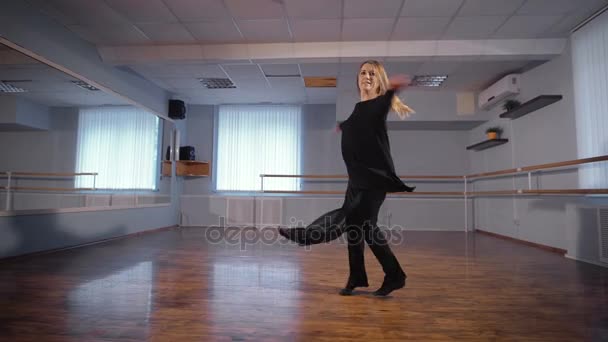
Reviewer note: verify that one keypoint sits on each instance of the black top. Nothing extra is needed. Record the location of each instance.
(366, 148)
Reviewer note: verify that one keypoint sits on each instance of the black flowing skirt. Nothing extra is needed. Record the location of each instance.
(330, 225)
(326, 227)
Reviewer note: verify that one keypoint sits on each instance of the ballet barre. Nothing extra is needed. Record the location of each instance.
(529, 170)
(346, 177)
(466, 180)
(11, 175)
(540, 167)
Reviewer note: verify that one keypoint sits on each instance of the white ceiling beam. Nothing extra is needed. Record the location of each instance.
(456, 49)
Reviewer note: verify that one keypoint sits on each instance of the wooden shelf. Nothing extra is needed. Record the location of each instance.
(487, 144)
(531, 106)
(187, 168)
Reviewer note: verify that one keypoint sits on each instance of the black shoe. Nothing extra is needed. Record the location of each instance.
(348, 289)
(388, 287)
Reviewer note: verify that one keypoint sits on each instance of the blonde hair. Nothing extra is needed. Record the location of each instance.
(397, 105)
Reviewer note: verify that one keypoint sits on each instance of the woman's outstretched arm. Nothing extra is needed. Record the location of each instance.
(398, 82)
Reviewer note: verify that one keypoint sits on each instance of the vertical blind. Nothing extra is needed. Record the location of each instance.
(590, 69)
(254, 140)
(121, 144)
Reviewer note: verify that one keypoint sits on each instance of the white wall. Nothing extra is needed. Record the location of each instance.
(32, 114)
(17, 113)
(8, 109)
(39, 151)
(198, 129)
(544, 136)
(52, 150)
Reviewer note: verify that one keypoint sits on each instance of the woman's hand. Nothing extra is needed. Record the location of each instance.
(398, 82)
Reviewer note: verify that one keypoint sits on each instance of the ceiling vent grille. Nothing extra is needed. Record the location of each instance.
(10, 87)
(428, 80)
(85, 85)
(217, 83)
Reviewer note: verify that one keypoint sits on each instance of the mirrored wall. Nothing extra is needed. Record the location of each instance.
(66, 144)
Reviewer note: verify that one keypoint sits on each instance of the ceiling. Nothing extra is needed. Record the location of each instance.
(141, 22)
(162, 40)
(45, 85)
(254, 84)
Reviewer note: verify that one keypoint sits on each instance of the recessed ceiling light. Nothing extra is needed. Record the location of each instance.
(320, 82)
(217, 83)
(285, 76)
(428, 80)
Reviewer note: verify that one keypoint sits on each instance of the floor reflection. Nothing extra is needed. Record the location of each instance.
(251, 293)
(125, 296)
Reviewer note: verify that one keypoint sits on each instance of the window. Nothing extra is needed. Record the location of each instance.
(254, 140)
(590, 69)
(121, 144)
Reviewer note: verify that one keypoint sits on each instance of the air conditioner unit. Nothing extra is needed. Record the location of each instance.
(504, 89)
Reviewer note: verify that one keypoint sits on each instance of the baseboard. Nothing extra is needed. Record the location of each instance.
(596, 263)
(456, 230)
(34, 254)
(527, 243)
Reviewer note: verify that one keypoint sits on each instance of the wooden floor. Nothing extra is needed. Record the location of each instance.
(175, 285)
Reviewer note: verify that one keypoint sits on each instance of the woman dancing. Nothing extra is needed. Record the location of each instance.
(371, 175)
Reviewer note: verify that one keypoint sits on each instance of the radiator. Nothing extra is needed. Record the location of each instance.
(239, 211)
(603, 232)
(270, 212)
(97, 200)
(245, 212)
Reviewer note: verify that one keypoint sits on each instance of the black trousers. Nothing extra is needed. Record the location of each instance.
(361, 227)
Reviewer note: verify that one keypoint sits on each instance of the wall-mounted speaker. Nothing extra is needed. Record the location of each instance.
(177, 109)
(187, 153)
